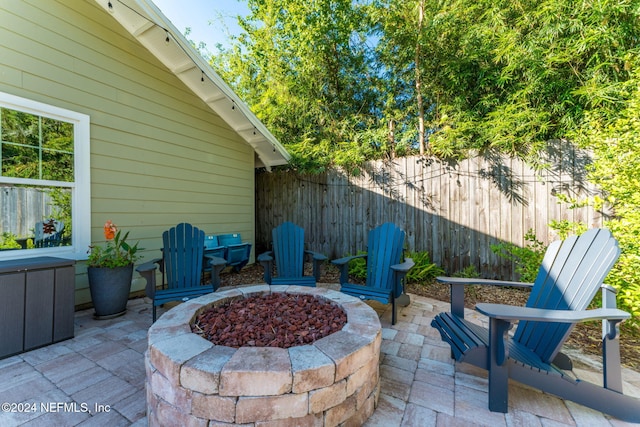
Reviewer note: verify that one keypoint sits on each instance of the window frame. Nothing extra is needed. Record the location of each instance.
(80, 187)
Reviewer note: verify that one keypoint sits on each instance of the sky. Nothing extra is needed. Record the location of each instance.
(198, 14)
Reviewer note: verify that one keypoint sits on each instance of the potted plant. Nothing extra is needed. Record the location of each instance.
(110, 271)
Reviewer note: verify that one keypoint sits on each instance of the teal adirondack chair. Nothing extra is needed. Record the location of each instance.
(213, 247)
(237, 252)
(385, 269)
(48, 234)
(213, 250)
(289, 256)
(571, 273)
(181, 265)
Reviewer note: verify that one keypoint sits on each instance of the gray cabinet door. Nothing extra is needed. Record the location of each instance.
(11, 313)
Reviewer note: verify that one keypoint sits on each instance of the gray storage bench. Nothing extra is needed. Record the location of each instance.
(37, 303)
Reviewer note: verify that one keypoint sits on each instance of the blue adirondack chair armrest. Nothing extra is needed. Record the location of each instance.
(457, 289)
(404, 267)
(217, 264)
(215, 260)
(472, 281)
(501, 316)
(317, 259)
(266, 257)
(148, 272)
(511, 313)
(343, 265)
(317, 256)
(399, 272)
(266, 260)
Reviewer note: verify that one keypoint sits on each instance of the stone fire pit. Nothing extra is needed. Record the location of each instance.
(190, 381)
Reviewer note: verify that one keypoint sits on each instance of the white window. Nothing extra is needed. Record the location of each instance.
(45, 193)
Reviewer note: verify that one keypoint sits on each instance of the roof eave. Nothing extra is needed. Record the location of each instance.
(145, 22)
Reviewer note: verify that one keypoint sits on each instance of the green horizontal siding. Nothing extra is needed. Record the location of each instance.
(159, 155)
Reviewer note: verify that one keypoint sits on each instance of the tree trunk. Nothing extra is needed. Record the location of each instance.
(419, 100)
(391, 138)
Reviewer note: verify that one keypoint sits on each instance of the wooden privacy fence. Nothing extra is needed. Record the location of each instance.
(455, 211)
(21, 208)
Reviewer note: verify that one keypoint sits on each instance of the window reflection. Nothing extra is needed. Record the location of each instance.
(35, 149)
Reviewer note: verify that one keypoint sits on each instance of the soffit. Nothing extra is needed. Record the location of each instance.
(144, 21)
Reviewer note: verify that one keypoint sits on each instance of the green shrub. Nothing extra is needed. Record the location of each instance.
(564, 228)
(358, 267)
(469, 272)
(624, 275)
(8, 241)
(424, 270)
(527, 259)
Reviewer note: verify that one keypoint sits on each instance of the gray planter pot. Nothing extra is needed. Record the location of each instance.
(110, 288)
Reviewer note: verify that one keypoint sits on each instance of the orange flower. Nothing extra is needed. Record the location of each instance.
(110, 230)
(116, 253)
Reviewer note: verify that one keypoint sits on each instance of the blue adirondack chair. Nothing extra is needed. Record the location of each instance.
(181, 265)
(213, 250)
(385, 269)
(237, 253)
(48, 234)
(289, 256)
(213, 247)
(571, 273)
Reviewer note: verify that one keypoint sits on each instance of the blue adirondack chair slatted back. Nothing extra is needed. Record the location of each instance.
(183, 251)
(288, 249)
(385, 244)
(569, 277)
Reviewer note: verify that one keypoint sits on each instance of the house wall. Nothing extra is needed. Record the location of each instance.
(159, 155)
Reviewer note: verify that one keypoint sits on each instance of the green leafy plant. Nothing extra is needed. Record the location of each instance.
(423, 270)
(564, 228)
(8, 241)
(358, 267)
(527, 259)
(624, 274)
(61, 202)
(116, 253)
(468, 272)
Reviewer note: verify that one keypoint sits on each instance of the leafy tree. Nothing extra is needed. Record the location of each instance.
(444, 77)
(616, 144)
(466, 75)
(400, 27)
(511, 75)
(35, 147)
(304, 69)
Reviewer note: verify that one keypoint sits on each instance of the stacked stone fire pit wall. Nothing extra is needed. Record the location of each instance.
(333, 381)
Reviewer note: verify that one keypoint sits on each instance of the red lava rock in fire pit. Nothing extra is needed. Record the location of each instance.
(276, 320)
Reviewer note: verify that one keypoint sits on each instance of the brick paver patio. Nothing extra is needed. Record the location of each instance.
(97, 378)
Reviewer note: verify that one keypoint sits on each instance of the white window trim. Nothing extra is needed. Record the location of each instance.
(81, 188)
